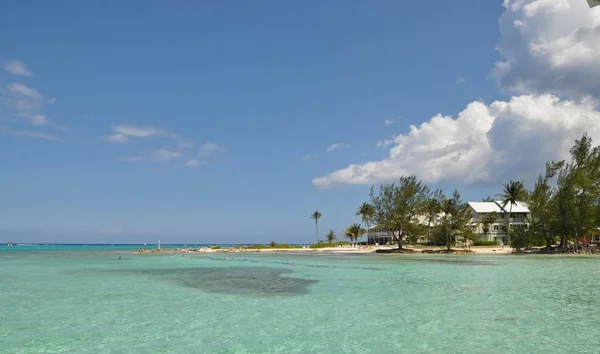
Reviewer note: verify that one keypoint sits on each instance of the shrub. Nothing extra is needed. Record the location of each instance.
(324, 245)
(278, 246)
(216, 247)
(486, 243)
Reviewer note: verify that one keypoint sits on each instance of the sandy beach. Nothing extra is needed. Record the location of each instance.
(351, 250)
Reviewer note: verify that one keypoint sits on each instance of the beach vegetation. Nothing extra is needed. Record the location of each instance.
(316, 216)
(331, 237)
(399, 205)
(327, 245)
(354, 232)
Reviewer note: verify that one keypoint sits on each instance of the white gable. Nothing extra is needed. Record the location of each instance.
(485, 207)
(518, 207)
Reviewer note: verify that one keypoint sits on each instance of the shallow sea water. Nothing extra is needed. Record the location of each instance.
(91, 302)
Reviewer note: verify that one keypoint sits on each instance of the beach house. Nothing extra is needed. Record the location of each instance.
(482, 214)
(490, 228)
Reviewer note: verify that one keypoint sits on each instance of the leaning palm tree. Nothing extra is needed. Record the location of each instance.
(367, 213)
(354, 232)
(316, 215)
(331, 236)
(512, 192)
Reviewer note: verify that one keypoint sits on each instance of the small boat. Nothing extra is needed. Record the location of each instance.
(10, 244)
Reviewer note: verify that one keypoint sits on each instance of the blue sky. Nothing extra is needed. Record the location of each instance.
(208, 121)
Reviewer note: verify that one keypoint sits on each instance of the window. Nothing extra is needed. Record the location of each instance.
(496, 227)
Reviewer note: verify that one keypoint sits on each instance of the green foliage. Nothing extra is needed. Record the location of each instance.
(455, 221)
(276, 246)
(487, 220)
(354, 232)
(273, 244)
(486, 243)
(513, 192)
(331, 236)
(316, 216)
(397, 207)
(334, 244)
(216, 247)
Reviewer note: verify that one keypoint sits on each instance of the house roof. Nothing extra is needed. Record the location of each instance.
(485, 207)
(498, 207)
(518, 207)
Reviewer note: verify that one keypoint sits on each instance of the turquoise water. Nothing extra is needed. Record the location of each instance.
(91, 302)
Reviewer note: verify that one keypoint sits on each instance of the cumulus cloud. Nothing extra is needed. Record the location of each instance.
(460, 80)
(549, 46)
(18, 68)
(483, 144)
(388, 122)
(337, 146)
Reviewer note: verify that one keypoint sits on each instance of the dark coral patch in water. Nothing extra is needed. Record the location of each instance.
(251, 281)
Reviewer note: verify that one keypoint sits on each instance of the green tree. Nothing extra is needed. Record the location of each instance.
(540, 205)
(331, 236)
(367, 213)
(455, 222)
(488, 220)
(585, 175)
(316, 216)
(512, 193)
(432, 209)
(354, 232)
(397, 207)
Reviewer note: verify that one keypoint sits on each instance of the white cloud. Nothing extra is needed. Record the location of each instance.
(160, 155)
(22, 99)
(117, 138)
(51, 100)
(114, 231)
(165, 155)
(483, 144)
(194, 163)
(460, 80)
(39, 119)
(26, 103)
(209, 148)
(337, 146)
(142, 131)
(388, 122)
(384, 143)
(549, 46)
(30, 134)
(16, 67)
(307, 157)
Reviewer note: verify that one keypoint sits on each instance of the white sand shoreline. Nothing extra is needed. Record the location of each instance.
(475, 250)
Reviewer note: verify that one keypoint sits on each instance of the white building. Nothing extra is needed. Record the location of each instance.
(519, 217)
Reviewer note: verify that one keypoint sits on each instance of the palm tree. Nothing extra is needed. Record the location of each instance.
(331, 236)
(354, 232)
(367, 213)
(512, 192)
(316, 215)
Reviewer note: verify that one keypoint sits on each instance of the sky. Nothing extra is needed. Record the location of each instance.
(233, 121)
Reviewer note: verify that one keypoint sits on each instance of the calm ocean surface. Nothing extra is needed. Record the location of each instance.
(82, 299)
